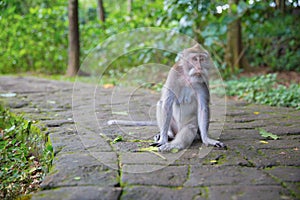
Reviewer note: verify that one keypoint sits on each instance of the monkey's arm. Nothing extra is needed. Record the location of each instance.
(203, 116)
(203, 111)
(166, 113)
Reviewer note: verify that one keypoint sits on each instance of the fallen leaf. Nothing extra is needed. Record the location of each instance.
(153, 150)
(213, 161)
(8, 95)
(77, 178)
(120, 113)
(267, 134)
(263, 142)
(108, 86)
(174, 150)
(51, 102)
(148, 149)
(119, 138)
(256, 113)
(137, 140)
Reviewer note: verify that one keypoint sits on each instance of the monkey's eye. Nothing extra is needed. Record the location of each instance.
(202, 59)
(195, 59)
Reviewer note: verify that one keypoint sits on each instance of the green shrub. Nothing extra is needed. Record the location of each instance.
(25, 157)
(265, 90)
(272, 39)
(35, 41)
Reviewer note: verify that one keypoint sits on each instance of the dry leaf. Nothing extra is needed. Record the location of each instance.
(263, 142)
(108, 86)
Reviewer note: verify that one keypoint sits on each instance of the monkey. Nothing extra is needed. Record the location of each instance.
(182, 113)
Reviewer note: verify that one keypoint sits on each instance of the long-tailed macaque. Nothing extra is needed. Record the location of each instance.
(183, 109)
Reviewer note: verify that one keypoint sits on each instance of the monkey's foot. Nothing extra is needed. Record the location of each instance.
(156, 138)
(157, 143)
(165, 147)
(171, 146)
(215, 143)
(154, 144)
(220, 145)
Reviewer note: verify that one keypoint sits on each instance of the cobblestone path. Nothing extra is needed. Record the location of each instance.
(96, 161)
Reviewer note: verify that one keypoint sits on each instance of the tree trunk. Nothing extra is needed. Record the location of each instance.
(280, 4)
(129, 6)
(234, 55)
(101, 11)
(73, 63)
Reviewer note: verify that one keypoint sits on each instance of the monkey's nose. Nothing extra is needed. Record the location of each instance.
(198, 71)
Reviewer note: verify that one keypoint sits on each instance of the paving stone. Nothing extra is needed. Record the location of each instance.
(284, 130)
(166, 176)
(294, 188)
(148, 158)
(287, 174)
(161, 193)
(79, 193)
(79, 169)
(18, 104)
(224, 175)
(246, 192)
(273, 157)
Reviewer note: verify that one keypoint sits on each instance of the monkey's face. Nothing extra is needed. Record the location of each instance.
(196, 64)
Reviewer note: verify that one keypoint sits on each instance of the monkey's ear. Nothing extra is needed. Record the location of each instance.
(194, 49)
(197, 47)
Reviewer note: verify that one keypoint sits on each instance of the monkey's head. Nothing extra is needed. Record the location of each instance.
(195, 61)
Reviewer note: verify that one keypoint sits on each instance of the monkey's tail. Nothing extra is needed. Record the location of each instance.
(131, 123)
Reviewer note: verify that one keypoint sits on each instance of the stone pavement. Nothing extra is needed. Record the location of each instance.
(96, 161)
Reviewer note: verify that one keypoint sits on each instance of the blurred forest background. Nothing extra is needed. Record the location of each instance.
(244, 37)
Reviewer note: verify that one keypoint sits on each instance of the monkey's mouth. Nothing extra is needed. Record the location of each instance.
(197, 74)
(194, 72)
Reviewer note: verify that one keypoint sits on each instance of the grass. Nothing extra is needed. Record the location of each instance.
(25, 156)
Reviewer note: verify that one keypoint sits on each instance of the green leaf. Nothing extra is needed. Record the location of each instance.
(77, 178)
(174, 150)
(117, 139)
(149, 149)
(10, 129)
(266, 134)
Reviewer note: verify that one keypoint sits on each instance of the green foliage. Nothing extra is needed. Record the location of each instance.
(272, 39)
(34, 36)
(265, 90)
(119, 20)
(35, 41)
(25, 157)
